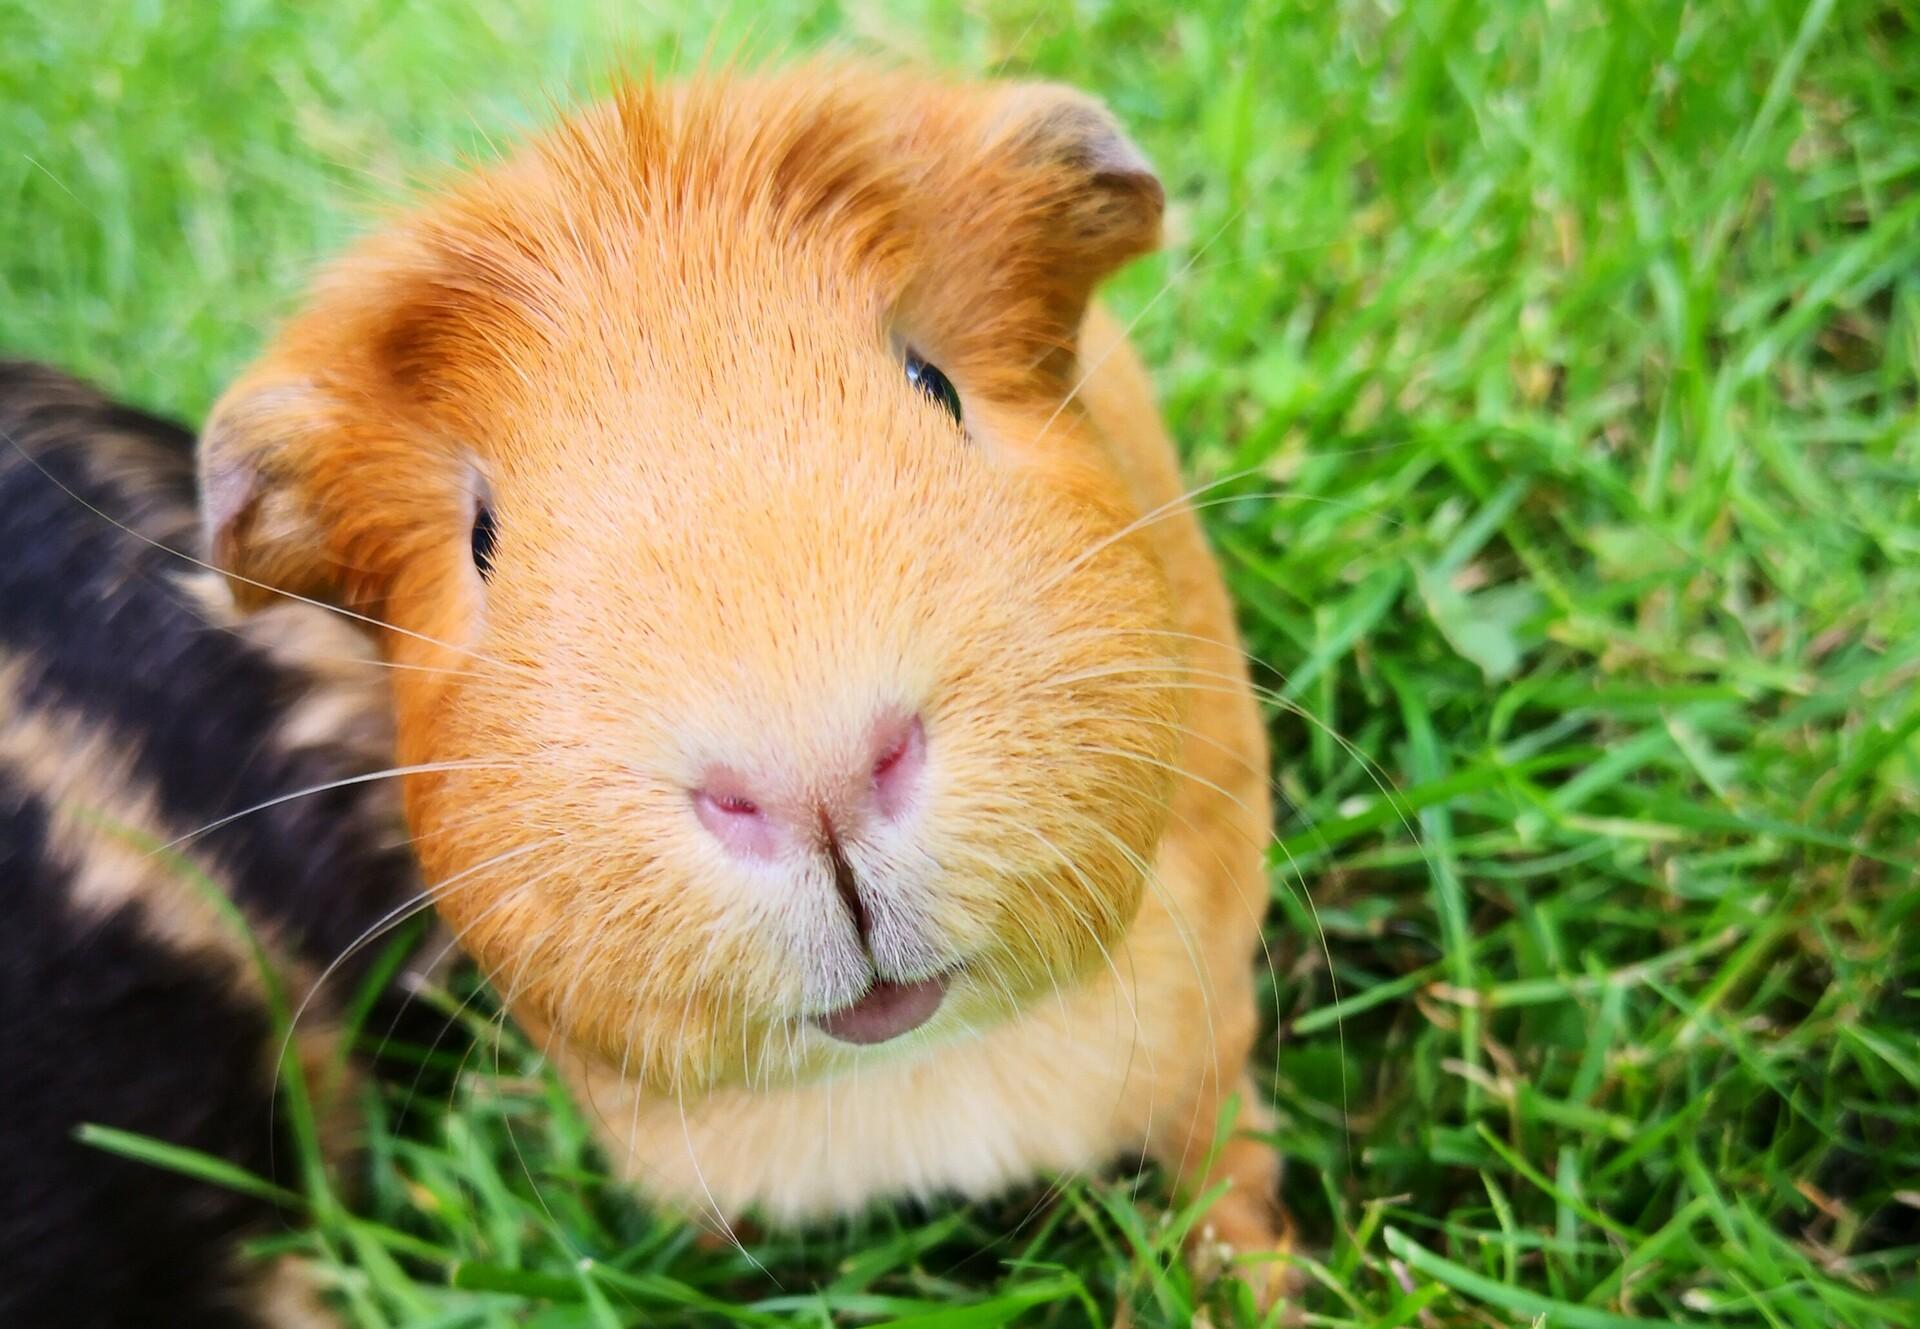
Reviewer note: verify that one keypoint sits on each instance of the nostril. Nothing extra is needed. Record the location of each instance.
(736, 821)
(898, 766)
(890, 758)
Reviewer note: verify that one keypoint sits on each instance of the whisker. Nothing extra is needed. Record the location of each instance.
(393, 919)
(513, 1137)
(418, 905)
(686, 1132)
(1120, 986)
(375, 662)
(1184, 504)
(341, 610)
(1126, 333)
(1173, 505)
(487, 984)
(1296, 881)
(343, 783)
(1181, 677)
(1183, 928)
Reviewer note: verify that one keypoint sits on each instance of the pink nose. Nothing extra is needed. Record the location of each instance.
(781, 811)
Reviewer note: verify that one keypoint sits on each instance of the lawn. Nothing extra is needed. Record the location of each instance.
(1565, 357)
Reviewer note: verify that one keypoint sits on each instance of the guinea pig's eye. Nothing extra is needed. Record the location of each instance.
(483, 539)
(935, 384)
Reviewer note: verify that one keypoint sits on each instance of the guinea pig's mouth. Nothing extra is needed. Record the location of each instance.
(887, 1010)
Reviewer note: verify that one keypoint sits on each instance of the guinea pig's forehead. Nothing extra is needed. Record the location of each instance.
(719, 392)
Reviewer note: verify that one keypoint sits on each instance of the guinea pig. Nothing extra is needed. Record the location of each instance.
(845, 765)
(136, 709)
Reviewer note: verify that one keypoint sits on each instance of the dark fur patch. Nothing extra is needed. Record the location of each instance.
(99, 1024)
(107, 1017)
(112, 634)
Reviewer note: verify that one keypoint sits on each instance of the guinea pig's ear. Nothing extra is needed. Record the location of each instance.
(1093, 183)
(258, 521)
(1052, 197)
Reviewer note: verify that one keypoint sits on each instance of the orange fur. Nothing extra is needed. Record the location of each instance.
(666, 337)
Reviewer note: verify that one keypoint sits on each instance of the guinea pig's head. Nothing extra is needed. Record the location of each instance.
(772, 638)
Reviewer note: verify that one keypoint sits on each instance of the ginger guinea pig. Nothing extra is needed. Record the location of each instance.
(833, 739)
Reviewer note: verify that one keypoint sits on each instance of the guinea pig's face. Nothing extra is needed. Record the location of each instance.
(785, 669)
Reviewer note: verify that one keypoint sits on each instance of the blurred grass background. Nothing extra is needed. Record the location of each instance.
(1574, 347)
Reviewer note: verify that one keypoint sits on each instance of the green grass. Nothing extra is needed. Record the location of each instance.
(1575, 348)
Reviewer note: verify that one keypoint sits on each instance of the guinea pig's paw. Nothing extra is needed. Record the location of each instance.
(1253, 1244)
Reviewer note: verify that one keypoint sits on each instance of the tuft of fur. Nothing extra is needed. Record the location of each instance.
(136, 707)
(664, 342)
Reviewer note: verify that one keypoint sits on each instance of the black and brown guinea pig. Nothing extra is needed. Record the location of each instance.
(136, 708)
(843, 758)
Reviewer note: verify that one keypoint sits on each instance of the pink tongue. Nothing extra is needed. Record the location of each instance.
(887, 1011)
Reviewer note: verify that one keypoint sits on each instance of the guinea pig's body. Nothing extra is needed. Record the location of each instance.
(135, 709)
(840, 756)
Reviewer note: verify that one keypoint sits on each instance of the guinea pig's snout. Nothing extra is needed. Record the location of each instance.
(813, 805)
(846, 814)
